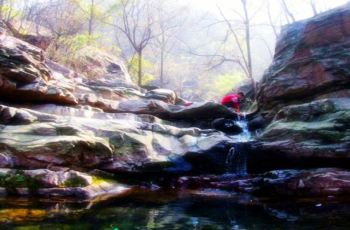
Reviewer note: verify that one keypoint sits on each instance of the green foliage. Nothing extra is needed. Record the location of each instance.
(79, 41)
(101, 12)
(75, 182)
(18, 179)
(218, 86)
(70, 45)
(147, 67)
(8, 11)
(80, 51)
(224, 83)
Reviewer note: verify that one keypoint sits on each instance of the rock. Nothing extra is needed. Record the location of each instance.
(305, 183)
(247, 89)
(227, 126)
(40, 38)
(295, 183)
(47, 183)
(257, 123)
(308, 135)
(310, 62)
(304, 95)
(115, 145)
(165, 95)
(13, 116)
(56, 123)
(24, 76)
(102, 67)
(197, 111)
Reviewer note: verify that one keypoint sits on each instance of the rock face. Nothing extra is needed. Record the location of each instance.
(310, 62)
(294, 183)
(24, 76)
(314, 134)
(306, 95)
(35, 140)
(67, 183)
(52, 117)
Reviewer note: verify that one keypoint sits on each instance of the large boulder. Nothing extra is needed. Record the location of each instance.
(310, 62)
(305, 183)
(24, 76)
(53, 117)
(305, 95)
(321, 182)
(116, 145)
(314, 134)
(102, 68)
(61, 183)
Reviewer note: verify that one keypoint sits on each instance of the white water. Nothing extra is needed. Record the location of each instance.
(236, 160)
(246, 135)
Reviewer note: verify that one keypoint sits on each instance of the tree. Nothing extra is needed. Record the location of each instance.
(313, 7)
(271, 22)
(288, 14)
(8, 11)
(245, 59)
(168, 23)
(93, 12)
(137, 25)
(60, 17)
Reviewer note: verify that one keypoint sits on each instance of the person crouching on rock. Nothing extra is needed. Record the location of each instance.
(233, 101)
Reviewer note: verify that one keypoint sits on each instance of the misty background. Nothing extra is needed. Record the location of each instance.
(199, 48)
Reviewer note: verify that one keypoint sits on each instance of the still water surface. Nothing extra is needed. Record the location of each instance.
(210, 210)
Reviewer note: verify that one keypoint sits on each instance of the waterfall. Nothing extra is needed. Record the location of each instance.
(245, 136)
(236, 159)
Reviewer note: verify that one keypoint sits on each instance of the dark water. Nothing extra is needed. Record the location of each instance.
(174, 211)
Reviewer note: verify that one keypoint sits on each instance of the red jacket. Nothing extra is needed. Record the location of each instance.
(231, 100)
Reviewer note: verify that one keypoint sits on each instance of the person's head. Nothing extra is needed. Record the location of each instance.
(241, 96)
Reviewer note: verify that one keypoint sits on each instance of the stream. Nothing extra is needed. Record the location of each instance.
(169, 210)
(236, 160)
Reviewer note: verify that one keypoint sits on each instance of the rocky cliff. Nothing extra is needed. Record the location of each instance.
(54, 119)
(306, 94)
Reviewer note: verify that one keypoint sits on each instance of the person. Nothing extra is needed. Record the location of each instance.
(233, 101)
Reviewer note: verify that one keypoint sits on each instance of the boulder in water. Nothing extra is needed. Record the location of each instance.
(227, 126)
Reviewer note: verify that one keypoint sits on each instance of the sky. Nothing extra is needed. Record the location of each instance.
(262, 35)
(300, 8)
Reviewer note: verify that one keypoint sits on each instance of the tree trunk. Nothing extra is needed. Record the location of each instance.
(248, 45)
(161, 68)
(139, 74)
(91, 18)
(274, 29)
(1, 5)
(162, 50)
(313, 6)
(287, 11)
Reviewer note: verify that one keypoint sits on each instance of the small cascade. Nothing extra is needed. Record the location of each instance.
(236, 159)
(245, 136)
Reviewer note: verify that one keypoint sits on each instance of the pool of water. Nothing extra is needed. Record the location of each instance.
(204, 210)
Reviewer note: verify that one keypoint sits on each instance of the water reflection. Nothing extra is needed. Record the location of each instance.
(175, 212)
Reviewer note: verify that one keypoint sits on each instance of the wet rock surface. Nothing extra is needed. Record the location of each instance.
(61, 183)
(310, 62)
(304, 97)
(53, 117)
(320, 182)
